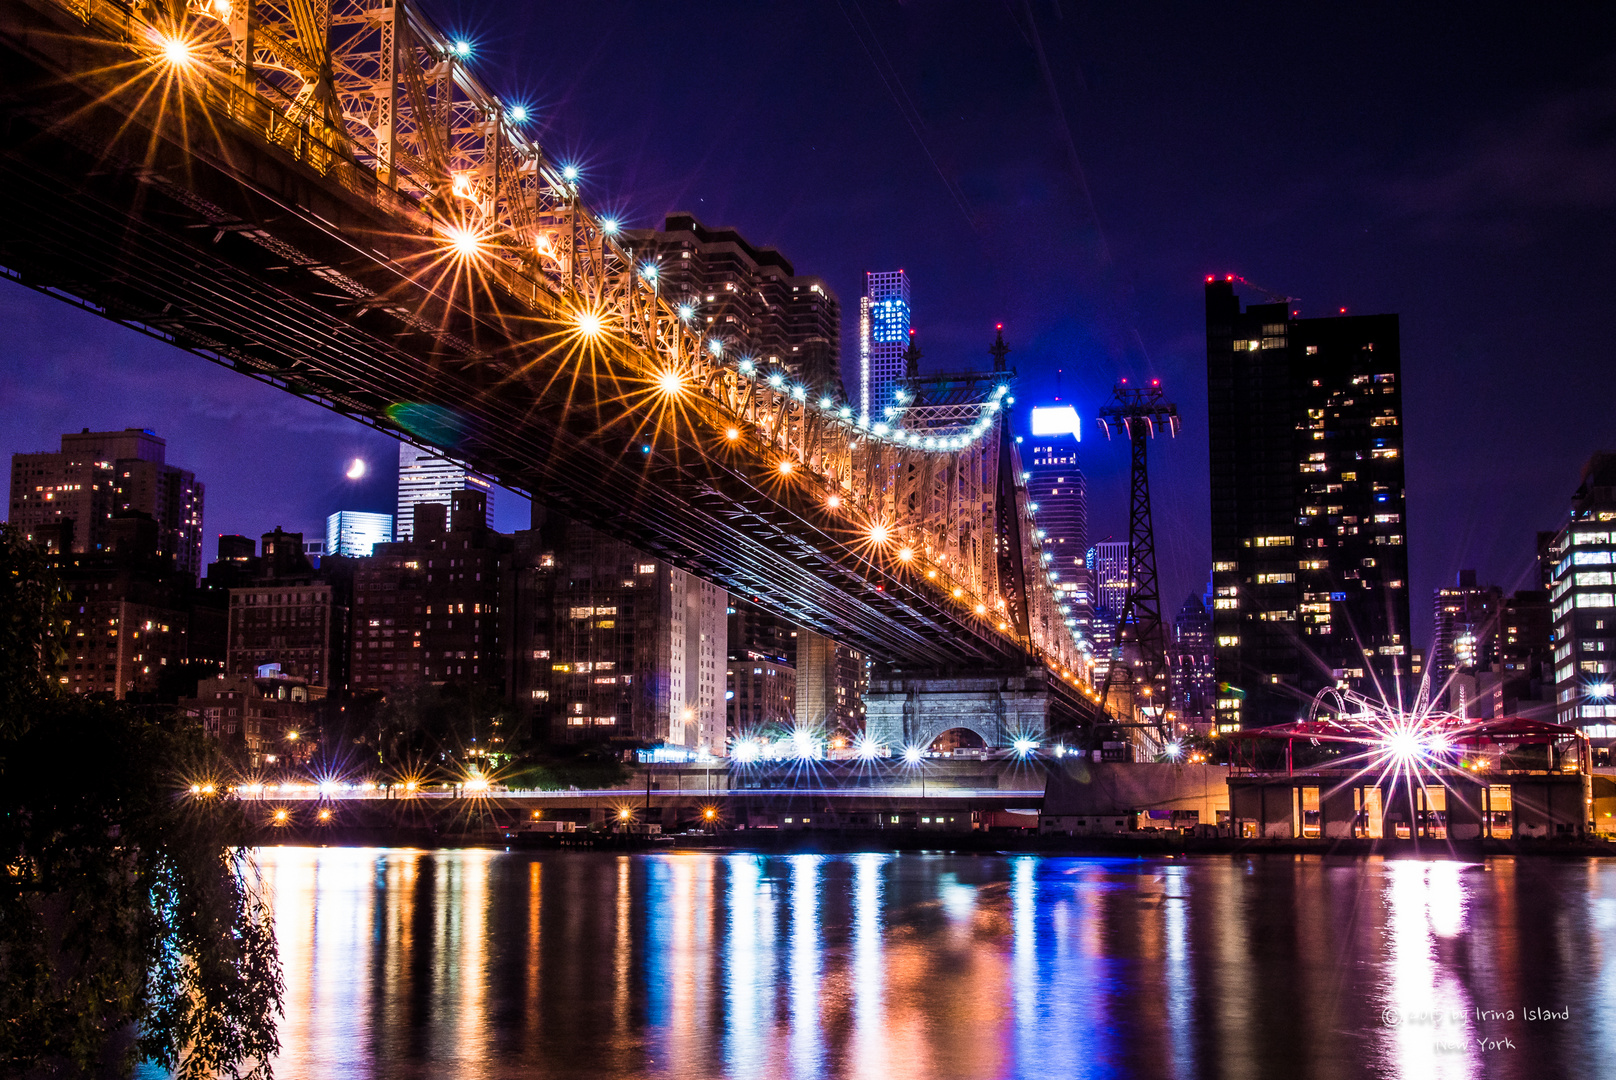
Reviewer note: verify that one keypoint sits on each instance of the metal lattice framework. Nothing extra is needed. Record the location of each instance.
(520, 278)
(1140, 413)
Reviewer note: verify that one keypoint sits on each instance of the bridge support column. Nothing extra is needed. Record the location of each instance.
(904, 709)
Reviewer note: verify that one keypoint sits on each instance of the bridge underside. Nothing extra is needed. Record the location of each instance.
(184, 227)
(175, 222)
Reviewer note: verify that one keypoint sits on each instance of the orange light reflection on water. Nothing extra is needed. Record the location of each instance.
(694, 965)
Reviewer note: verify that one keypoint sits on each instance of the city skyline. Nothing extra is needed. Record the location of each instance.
(829, 706)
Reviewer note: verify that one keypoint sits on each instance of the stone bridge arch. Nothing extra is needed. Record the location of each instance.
(914, 712)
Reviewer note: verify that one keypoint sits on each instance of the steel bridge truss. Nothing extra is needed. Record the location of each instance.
(491, 266)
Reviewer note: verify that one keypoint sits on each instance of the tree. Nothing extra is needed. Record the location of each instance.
(129, 921)
(437, 723)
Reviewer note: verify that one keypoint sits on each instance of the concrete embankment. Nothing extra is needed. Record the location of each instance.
(479, 822)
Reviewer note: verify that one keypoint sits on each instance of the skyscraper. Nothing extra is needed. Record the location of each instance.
(1108, 563)
(831, 681)
(1310, 569)
(425, 477)
(748, 298)
(132, 620)
(1056, 486)
(883, 337)
(66, 500)
(354, 533)
(1583, 595)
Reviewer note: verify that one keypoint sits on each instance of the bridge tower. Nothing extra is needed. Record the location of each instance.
(1139, 660)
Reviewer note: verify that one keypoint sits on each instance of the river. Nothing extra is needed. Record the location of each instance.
(486, 964)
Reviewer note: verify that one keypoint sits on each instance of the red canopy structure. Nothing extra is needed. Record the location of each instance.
(1440, 733)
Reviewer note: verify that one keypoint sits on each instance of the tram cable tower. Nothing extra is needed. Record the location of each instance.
(1141, 413)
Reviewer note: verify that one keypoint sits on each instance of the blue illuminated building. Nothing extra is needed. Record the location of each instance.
(354, 533)
(883, 337)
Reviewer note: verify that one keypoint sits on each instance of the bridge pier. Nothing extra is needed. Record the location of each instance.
(906, 709)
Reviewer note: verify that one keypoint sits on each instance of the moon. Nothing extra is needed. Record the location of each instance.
(356, 469)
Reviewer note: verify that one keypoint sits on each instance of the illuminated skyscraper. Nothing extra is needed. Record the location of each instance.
(425, 477)
(1055, 485)
(1108, 562)
(1108, 581)
(354, 533)
(1310, 569)
(1583, 595)
(883, 337)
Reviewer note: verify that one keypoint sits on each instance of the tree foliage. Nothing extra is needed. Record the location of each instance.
(130, 925)
(432, 722)
(558, 767)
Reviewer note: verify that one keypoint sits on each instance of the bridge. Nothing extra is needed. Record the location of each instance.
(321, 195)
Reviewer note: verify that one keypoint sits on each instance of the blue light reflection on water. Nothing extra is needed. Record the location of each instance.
(1178, 978)
(868, 1057)
(806, 1049)
(487, 964)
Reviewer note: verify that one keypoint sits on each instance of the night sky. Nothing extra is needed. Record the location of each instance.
(1073, 171)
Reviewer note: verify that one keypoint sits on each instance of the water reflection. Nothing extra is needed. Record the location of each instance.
(488, 964)
(1428, 1013)
(806, 1050)
(868, 1058)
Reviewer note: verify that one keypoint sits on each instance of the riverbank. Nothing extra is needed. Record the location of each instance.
(843, 841)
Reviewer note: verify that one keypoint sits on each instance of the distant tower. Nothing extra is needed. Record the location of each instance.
(425, 477)
(1109, 562)
(1192, 661)
(883, 339)
(1139, 413)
